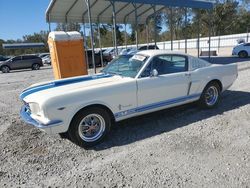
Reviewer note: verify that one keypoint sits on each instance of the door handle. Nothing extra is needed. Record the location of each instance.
(187, 74)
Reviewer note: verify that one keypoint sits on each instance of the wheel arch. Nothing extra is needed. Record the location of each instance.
(98, 105)
(243, 51)
(4, 66)
(216, 81)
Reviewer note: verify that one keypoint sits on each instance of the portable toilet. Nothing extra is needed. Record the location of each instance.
(67, 54)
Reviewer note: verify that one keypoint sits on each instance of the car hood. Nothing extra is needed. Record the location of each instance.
(47, 90)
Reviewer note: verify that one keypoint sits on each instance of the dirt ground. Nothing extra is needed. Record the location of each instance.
(179, 147)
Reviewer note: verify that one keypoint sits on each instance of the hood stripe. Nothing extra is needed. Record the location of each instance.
(63, 82)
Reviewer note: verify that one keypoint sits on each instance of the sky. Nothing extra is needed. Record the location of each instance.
(22, 17)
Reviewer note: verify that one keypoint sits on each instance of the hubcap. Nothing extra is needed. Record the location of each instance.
(35, 66)
(211, 95)
(5, 69)
(91, 127)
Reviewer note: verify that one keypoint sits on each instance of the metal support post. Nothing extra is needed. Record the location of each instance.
(112, 33)
(136, 26)
(125, 34)
(185, 30)
(147, 34)
(219, 44)
(171, 27)
(49, 27)
(114, 25)
(198, 37)
(155, 29)
(85, 45)
(49, 23)
(247, 33)
(209, 36)
(91, 33)
(100, 43)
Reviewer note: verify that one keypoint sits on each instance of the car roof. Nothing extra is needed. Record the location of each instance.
(159, 52)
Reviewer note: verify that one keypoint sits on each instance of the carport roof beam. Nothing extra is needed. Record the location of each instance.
(66, 15)
(175, 3)
(60, 11)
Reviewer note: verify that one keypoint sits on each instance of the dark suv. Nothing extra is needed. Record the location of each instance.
(21, 62)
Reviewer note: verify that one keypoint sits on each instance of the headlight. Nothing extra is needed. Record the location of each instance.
(34, 108)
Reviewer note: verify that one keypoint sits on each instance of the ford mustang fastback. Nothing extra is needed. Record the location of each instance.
(85, 107)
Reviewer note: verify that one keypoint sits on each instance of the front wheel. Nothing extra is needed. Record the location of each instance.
(5, 69)
(89, 126)
(35, 66)
(243, 54)
(210, 95)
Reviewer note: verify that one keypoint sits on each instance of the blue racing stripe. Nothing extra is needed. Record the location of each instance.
(155, 105)
(63, 82)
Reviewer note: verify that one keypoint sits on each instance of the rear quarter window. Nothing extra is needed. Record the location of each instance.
(196, 63)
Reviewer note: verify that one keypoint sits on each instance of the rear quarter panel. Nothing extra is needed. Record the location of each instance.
(226, 74)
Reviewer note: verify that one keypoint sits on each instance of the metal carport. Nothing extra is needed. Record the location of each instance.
(114, 11)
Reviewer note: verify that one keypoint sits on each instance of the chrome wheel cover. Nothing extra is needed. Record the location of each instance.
(91, 127)
(211, 95)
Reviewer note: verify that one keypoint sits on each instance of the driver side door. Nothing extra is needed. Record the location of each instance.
(169, 87)
(16, 62)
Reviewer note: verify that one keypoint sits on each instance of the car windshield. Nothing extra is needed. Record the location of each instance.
(126, 65)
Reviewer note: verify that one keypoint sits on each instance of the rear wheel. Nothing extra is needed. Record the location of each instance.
(5, 69)
(243, 54)
(89, 126)
(35, 66)
(210, 95)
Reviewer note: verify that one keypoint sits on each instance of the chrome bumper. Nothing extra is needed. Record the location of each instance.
(26, 116)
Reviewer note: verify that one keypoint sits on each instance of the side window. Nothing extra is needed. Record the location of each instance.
(143, 48)
(167, 64)
(16, 58)
(151, 47)
(27, 57)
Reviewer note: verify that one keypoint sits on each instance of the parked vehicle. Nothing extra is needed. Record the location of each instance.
(133, 50)
(125, 51)
(108, 54)
(148, 47)
(46, 60)
(21, 62)
(97, 59)
(42, 55)
(242, 50)
(84, 107)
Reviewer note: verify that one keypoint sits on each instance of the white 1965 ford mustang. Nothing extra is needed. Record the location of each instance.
(84, 107)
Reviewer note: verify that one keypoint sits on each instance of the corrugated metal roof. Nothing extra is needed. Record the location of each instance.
(23, 45)
(67, 11)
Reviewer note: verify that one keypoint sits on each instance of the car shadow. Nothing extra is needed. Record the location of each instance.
(225, 60)
(153, 124)
(27, 70)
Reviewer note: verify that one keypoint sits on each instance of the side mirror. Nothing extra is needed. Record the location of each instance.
(154, 73)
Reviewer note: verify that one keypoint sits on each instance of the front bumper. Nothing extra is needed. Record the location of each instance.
(51, 127)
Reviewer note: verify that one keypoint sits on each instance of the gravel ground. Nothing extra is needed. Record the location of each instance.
(179, 147)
